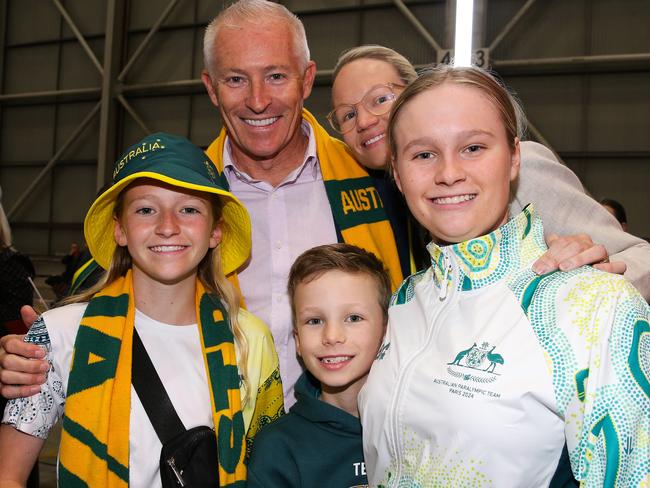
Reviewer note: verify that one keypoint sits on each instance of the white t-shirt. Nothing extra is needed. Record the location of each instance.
(176, 354)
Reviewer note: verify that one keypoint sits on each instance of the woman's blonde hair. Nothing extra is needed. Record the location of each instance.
(404, 68)
(509, 109)
(209, 271)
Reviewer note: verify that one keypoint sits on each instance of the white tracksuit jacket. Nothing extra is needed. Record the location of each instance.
(483, 381)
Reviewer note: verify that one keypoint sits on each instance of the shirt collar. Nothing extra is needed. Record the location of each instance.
(309, 169)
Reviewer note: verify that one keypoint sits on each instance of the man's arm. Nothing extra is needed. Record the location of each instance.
(566, 209)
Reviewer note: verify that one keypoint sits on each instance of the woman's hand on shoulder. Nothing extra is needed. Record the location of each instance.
(571, 252)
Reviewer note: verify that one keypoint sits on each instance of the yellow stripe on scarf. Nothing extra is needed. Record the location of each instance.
(95, 438)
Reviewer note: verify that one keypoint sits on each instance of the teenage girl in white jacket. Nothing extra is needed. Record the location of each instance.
(490, 375)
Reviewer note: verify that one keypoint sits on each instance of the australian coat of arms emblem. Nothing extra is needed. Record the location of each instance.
(481, 358)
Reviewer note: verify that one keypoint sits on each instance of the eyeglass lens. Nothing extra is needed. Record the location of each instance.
(377, 101)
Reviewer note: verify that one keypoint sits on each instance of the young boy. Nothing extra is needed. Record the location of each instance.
(339, 296)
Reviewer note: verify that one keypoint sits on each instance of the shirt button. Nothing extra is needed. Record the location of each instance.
(278, 244)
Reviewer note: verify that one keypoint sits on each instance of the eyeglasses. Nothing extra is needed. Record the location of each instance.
(377, 101)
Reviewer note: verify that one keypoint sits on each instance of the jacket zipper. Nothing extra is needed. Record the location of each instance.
(444, 299)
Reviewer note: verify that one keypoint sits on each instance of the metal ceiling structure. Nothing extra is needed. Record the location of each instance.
(113, 98)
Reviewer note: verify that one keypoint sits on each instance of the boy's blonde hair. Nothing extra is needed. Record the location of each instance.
(339, 257)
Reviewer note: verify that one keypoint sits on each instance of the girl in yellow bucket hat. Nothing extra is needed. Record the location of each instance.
(168, 234)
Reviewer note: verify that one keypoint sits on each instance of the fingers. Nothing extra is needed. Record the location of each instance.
(14, 345)
(22, 368)
(12, 365)
(595, 254)
(12, 391)
(545, 264)
(615, 267)
(551, 238)
(29, 315)
(567, 253)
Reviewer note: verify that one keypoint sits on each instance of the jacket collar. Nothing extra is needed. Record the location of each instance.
(486, 259)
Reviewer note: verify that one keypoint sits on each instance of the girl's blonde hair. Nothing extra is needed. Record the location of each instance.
(509, 109)
(209, 271)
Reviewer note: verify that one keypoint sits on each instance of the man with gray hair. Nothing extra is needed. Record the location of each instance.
(301, 187)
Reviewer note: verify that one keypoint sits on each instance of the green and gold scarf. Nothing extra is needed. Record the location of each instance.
(357, 208)
(95, 437)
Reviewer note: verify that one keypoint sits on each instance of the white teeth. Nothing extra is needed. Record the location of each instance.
(454, 199)
(374, 139)
(338, 359)
(262, 122)
(166, 248)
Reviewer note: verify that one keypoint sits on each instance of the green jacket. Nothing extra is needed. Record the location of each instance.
(314, 445)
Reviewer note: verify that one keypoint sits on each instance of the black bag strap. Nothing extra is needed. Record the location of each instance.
(152, 393)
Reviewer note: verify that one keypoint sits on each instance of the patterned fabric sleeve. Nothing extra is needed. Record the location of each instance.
(266, 401)
(36, 415)
(269, 406)
(608, 423)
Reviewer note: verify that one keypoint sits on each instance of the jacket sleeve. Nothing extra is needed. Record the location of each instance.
(607, 422)
(37, 414)
(566, 209)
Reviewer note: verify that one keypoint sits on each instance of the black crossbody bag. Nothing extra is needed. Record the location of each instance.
(188, 457)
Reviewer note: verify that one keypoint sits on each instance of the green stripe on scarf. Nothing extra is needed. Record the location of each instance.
(221, 365)
(84, 435)
(356, 207)
(95, 438)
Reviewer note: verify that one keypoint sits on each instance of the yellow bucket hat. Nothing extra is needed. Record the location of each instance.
(176, 161)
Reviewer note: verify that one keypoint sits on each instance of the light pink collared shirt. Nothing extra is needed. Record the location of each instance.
(286, 220)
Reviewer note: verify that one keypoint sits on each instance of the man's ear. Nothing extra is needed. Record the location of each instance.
(308, 79)
(119, 233)
(515, 160)
(210, 87)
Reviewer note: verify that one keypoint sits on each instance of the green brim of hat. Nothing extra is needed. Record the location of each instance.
(236, 227)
